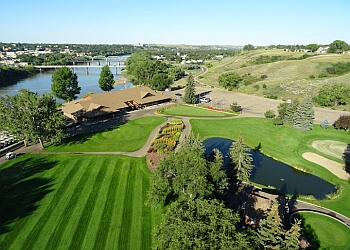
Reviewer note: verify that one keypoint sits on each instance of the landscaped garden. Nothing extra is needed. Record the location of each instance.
(325, 232)
(285, 144)
(75, 202)
(164, 142)
(192, 111)
(128, 137)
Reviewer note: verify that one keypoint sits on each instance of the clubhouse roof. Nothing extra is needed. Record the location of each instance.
(96, 106)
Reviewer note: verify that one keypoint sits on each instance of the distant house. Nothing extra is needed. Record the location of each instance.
(322, 49)
(108, 104)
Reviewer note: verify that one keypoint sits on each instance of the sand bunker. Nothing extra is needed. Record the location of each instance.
(333, 166)
(332, 148)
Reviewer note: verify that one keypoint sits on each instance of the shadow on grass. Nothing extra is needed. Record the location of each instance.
(21, 189)
(308, 232)
(84, 131)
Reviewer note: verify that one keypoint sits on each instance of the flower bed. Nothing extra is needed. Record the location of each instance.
(164, 142)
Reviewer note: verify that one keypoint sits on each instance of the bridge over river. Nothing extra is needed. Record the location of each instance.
(87, 67)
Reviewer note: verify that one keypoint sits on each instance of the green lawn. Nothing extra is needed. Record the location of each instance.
(330, 234)
(128, 137)
(191, 111)
(75, 202)
(284, 143)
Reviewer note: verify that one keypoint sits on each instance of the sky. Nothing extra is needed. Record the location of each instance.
(206, 22)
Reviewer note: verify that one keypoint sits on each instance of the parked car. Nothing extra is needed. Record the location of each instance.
(178, 95)
(204, 99)
(10, 155)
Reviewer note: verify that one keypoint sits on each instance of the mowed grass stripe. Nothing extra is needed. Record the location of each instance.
(35, 233)
(98, 210)
(116, 220)
(127, 219)
(108, 210)
(137, 208)
(23, 224)
(146, 225)
(85, 217)
(72, 196)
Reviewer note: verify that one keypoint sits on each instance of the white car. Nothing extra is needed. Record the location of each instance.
(10, 155)
(204, 99)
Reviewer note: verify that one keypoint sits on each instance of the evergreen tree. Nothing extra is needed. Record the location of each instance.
(289, 112)
(270, 233)
(106, 80)
(241, 159)
(291, 237)
(304, 115)
(65, 84)
(190, 92)
(325, 123)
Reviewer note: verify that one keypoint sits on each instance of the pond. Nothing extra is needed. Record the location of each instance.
(279, 175)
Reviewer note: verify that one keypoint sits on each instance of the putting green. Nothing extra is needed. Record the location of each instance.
(332, 148)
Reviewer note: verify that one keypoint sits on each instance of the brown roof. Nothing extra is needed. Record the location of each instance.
(113, 101)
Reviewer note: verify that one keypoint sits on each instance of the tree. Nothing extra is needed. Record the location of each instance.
(303, 118)
(106, 80)
(282, 110)
(200, 224)
(65, 84)
(290, 111)
(272, 235)
(248, 47)
(32, 117)
(313, 47)
(190, 92)
(338, 46)
(230, 80)
(333, 94)
(343, 122)
(161, 81)
(241, 160)
(186, 174)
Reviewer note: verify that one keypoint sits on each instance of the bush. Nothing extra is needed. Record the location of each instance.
(270, 114)
(343, 122)
(256, 87)
(277, 121)
(235, 107)
(263, 77)
(325, 123)
(264, 86)
(312, 76)
(275, 97)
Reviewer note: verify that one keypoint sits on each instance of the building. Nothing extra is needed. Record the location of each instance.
(109, 104)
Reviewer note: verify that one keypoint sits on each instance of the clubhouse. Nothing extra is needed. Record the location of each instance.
(109, 104)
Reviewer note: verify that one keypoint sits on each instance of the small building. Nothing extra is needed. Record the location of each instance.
(108, 104)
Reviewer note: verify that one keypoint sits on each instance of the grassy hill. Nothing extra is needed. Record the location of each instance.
(286, 78)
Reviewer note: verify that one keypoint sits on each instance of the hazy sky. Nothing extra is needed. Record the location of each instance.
(207, 22)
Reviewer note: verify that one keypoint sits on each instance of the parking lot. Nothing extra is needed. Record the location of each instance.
(253, 106)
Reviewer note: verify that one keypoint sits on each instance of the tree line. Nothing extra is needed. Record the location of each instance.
(11, 75)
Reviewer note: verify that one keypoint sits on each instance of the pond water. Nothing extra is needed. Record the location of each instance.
(279, 175)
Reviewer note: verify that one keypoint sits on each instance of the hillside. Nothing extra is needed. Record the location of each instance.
(286, 78)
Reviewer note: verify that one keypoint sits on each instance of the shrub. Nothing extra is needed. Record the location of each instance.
(264, 86)
(277, 121)
(275, 97)
(256, 87)
(235, 107)
(263, 77)
(269, 114)
(343, 122)
(325, 123)
(243, 65)
(312, 76)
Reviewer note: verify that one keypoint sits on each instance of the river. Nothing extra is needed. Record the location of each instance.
(41, 82)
